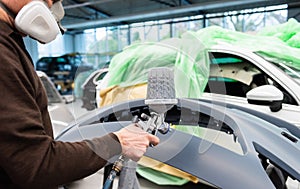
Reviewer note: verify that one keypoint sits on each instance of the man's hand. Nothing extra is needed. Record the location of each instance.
(135, 141)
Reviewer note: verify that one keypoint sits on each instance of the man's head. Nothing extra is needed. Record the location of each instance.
(40, 19)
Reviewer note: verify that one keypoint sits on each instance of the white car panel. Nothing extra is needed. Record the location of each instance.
(60, 115)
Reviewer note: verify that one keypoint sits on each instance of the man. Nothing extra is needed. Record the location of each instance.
(29, 157)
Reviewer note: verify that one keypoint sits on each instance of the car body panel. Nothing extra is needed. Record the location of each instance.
(201, 156)
(60, 114)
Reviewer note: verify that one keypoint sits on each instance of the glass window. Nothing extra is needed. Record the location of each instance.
(100, 76)
(195, 25)
(275, 17)
(231, 75)
(43, 64)
(123, 40)
(151, 32)
(164, 31)
(179, 28)
(249, 20)
(102, 43)
(214, 20)
(54, 48)
(137, 34)
(112, 39)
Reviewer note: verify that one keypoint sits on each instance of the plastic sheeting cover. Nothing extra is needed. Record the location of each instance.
(186, 55)
(280, 43)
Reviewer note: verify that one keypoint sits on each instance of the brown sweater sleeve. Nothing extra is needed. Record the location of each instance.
(29, 157)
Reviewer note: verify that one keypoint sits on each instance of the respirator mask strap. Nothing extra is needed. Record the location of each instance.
(58, 13)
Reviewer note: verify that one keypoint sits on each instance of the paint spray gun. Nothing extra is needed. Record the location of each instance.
(160, 98)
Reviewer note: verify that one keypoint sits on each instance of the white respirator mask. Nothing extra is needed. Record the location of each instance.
(39, 22)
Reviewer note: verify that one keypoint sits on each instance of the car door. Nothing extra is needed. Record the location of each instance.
(233, 73)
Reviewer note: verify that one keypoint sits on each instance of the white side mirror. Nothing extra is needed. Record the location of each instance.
(266, 95)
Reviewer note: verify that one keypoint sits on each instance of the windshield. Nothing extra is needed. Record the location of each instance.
(289, 67)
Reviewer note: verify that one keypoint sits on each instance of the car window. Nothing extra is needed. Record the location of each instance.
(63, 67)
(291, 71)
(43, 64)
(78, 61)
(231, 75)
(291, 68)
(58, 64)
(235, 76)
(101, 76)
(74, 60)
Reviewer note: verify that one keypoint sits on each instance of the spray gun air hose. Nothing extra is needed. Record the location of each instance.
(117, 167)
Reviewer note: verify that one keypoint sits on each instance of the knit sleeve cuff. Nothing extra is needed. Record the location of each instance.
(106, 146)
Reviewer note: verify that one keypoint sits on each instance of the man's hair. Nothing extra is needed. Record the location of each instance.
(54, 1)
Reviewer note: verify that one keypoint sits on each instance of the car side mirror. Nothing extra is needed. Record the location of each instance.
(266, 95)
(68, 98)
